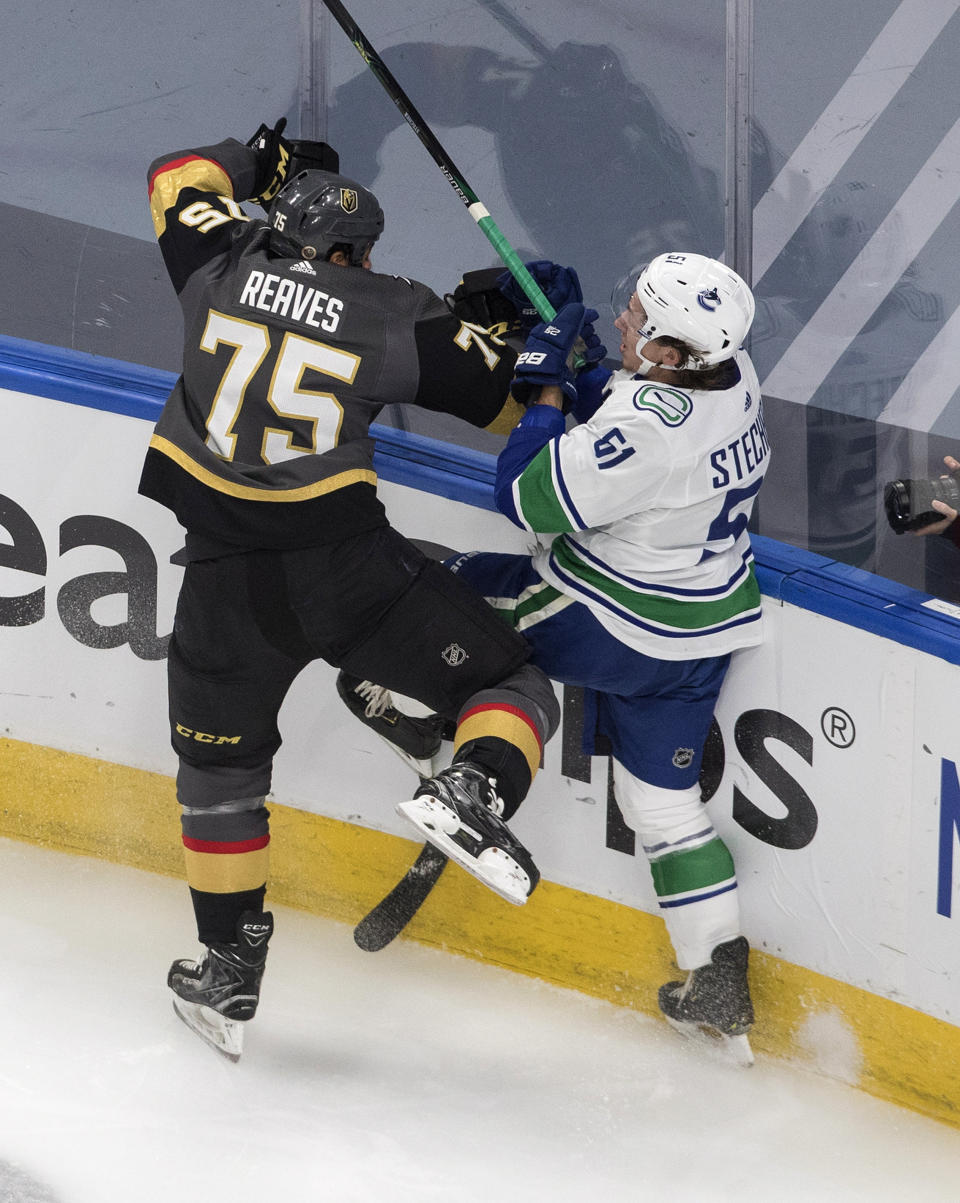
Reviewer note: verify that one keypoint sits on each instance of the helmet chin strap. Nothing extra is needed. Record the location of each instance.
(647, 365)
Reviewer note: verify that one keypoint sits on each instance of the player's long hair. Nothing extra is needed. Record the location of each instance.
(720, 376)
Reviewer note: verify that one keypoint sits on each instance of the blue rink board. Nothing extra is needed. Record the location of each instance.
(802, 578)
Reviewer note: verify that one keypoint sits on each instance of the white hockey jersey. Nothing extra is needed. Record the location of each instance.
(653, 495)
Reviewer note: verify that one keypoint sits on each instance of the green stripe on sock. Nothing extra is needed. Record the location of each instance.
(683, 872)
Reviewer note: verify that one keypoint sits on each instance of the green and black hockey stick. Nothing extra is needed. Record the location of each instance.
(390, 916)
(454, 177)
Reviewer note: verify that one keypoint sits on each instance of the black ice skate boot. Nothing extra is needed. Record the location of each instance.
(415, 740)
(458, 811)
(218, 994)
(715, 1000)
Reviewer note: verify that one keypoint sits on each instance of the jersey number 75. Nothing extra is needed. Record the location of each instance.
(285, 395)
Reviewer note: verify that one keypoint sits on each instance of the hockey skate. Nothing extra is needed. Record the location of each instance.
(714, 1002)
(458, 811)
(217, 995)
(415, 740)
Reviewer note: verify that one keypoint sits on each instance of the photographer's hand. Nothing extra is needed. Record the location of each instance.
(949, 515)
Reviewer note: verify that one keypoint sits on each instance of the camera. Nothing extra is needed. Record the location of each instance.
(907, 502)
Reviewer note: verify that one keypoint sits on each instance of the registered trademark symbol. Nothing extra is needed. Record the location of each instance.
(838, 727)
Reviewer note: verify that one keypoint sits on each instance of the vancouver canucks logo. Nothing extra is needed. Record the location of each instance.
(348, 200)
(709, 298)
(670, 405)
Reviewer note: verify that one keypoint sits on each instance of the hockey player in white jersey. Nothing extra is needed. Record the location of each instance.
(643, 586)
(649, 586)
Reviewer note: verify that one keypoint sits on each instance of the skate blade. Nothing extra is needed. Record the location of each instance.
(495, 868)
(734, 1049)
(224, 1035)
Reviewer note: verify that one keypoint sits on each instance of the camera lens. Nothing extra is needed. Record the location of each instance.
(909, 502)
(896, 501)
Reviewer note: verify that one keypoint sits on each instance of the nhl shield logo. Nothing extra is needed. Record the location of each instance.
(348, 200)
(682, 758)
(454, 655)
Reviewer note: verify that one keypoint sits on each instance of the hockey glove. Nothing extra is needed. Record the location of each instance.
(543, 360)
(312, 156)
(273, 162)
(591, 391)
(590, 350)
(560, 285)
(477, 299)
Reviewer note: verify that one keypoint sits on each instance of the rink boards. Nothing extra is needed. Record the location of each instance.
(832, 771)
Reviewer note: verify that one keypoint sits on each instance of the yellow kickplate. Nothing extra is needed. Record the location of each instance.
(79, 804)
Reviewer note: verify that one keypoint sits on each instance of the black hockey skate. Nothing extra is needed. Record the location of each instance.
(458, 811)
(714, 1001)
(415, 740)
(216, 995)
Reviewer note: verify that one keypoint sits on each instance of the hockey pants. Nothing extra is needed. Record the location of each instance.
(374, 605)
(654, 716)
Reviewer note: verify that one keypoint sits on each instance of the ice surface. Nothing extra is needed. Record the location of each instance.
(403, 1075)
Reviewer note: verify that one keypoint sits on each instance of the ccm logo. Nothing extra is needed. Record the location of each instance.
(203, 738)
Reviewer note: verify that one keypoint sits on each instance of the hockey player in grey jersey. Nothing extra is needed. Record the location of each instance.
(292, 345)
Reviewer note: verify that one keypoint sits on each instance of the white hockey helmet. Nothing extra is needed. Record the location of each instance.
(696, 299)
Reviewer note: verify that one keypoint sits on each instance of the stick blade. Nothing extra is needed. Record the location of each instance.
(390, 916)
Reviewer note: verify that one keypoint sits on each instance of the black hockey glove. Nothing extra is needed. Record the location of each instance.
(312, 156)
(543, 360)
(273, 162)
(477, 299)
(560, 285)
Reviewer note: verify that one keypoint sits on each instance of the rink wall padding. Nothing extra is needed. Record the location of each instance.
(831, 773)
(568, 937)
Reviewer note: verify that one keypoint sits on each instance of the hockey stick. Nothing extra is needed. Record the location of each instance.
(390, 916)
(453, 176)
(514, 25)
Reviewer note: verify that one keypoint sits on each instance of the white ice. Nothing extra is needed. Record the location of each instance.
(408, 1074)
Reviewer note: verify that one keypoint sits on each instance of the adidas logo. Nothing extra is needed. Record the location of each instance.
(303, 266)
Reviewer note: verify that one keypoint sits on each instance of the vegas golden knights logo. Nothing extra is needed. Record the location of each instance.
(348, 200)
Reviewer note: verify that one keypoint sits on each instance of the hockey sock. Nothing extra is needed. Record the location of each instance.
(693, 871)
(699, 900)
(227, 859)
(217, 915)
(505, 743)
